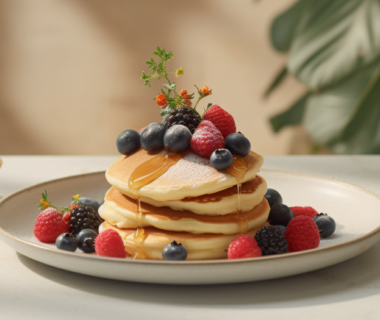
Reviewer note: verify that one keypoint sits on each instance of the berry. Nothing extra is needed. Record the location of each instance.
(86, 240)
(174, 251)
(152, 137)
(280, 214)
(140, 130)
(302, 234)
(325, 224)
(238, 144)
(244, 246)
(49, 225)
(304, 211)
(110, 244)
(273, 197)
(66, 241)
(271, 240)
(86, 202)
(185, 116)
(128, 142)
(84, 218)
(221, 159)
(177, 138)
(282, 228)
(66, 217)
(221, 119)
(206, 139)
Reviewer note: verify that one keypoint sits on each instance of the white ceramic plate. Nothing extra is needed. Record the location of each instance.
(355, 210)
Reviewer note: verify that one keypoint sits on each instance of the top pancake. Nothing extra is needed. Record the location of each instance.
(191, 176)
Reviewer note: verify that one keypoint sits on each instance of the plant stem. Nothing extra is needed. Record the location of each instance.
(199, 99)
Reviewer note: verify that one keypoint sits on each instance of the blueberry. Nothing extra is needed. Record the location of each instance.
(86, 240)
(177, 138)
(280, 214)
(87, 202)
(66, 241)
(273, 197)
(152, 137)
(282, 228)
(238, 144)
(174, 251)
(325, 224)
(128, 142)
(221, 159)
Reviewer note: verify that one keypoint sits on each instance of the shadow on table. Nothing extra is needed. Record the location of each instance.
(353, 279)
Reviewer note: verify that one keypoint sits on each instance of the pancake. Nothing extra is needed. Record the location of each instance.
(198, 246)
(220, 203)
(120, 210)
(191, 176)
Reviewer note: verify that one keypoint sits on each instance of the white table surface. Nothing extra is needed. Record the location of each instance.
(31, 290)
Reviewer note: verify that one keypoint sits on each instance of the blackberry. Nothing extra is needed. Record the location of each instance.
(271, 240)
(84, 218)
(184, 116)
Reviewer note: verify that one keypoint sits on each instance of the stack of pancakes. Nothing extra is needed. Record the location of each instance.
(191, 203)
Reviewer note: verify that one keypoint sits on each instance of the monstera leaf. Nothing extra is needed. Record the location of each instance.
(334, 39)
(334, 49)
(328, 113)
(362, 133)
(284, 25)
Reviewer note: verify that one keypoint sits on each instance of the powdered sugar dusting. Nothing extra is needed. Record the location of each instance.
(191, 170)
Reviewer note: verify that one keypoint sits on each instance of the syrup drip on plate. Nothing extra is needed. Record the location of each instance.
(238, 169)
(141, 176)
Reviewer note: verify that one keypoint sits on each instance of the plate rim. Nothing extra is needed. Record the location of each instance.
(194, 262)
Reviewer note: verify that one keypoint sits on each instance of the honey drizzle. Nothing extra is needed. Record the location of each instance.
(153, 168)
(238, 169)
(141, 176)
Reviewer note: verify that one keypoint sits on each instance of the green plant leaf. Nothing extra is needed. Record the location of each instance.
(276, 81)
(333, 40)
(292, 116)
(328, 113)
(283, 27)
(362, 133)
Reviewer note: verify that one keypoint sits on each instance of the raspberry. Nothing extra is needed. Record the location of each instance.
(141, 129)
(49, 225)
(221, 119)
(206, 139)
(304, 211)
(302, 234)
(110, 244)
(66, 217)
(244, 246)
(73, 206)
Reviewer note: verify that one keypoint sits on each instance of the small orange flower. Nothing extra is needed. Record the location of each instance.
(184, 94)
(205, 91)
(44, 204)
(187, 103)
(161, 100)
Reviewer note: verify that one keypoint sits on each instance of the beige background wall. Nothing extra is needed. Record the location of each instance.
(70, 69)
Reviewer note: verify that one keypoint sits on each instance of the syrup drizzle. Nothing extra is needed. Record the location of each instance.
(156, 167)
(141, 176)
(238, 169)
